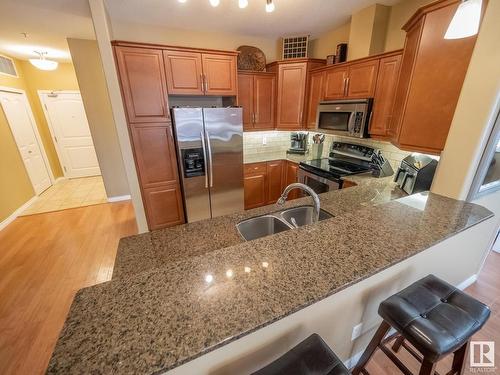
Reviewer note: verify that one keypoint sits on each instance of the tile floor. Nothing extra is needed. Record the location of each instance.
(71, 193)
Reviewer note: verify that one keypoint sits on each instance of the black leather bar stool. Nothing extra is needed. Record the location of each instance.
(435, 317)
(310, 357)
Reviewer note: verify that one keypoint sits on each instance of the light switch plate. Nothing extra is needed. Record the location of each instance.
(264, 140)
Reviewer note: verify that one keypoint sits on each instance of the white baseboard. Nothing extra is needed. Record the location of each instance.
(467, 282)
(351, 362)
(119, 198)
(17, 212)
(59, 179)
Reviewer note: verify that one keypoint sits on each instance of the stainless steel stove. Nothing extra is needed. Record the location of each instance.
(345, 159)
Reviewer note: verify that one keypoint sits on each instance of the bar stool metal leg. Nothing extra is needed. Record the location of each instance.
(370, 349)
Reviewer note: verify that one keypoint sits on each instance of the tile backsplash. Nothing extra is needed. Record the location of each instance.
(279, 141)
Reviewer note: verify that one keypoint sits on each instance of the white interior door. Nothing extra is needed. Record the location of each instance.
(18, 114)
(71, 133)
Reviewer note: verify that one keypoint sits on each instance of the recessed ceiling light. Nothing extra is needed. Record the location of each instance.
(182, 1)
(214, 3)
(242, 3)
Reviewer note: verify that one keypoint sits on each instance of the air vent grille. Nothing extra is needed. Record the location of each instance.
(7, 66)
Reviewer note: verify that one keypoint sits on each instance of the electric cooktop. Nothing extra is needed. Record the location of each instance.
(333, 168)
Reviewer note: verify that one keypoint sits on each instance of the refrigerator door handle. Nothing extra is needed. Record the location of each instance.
(204, 155)
(210, 159)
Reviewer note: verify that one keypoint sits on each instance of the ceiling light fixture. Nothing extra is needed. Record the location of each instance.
(42, 63)
(465, 22)
(182, 1)
(214, 3)
(242, 3)
(269, 6)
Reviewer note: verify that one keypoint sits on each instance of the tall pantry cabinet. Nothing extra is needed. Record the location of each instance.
(144, 91)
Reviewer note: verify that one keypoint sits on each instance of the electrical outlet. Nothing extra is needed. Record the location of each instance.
(356, 331)
(264, 140)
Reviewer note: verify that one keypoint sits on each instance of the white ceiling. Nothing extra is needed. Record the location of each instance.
(290, 17)
(49, 22)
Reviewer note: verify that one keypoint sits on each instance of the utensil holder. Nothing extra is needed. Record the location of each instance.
(317, 150)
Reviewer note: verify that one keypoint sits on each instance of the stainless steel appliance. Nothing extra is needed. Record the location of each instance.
(210, 154)
(345, 159)
(416, 172)
(345, 117)
(298, 143)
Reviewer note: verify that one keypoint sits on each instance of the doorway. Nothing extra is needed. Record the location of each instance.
(70, 131)
(22, 124)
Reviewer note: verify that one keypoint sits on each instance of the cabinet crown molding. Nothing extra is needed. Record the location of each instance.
(123, 43)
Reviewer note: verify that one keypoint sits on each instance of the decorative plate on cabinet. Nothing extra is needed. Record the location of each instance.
(251, 58)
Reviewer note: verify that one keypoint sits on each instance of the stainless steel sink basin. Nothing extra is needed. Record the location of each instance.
(303, 215)
(261, 226)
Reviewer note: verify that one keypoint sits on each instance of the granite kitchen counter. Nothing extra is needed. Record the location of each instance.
(144, 252)
(156, 320)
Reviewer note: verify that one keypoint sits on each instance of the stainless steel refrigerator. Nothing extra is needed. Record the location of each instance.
(210, 155)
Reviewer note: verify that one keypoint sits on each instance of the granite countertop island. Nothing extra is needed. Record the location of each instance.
(152, 250)
(172, 297)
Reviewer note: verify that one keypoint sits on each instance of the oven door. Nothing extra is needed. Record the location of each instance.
(317, 183)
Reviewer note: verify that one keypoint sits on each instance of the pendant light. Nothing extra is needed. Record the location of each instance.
(269, 6)
(42, 63)
(465, 22)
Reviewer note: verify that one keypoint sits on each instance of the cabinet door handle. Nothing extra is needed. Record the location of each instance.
(206, 83)
(346, 86)
(202, 81)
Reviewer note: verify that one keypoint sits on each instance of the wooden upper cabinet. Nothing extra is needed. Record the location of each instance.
(184, 72)
(264, 93)
(335, 83)
(154, 149)
(143, 84)
(256, 95)
(245, 99)
(385, 95)
(220, 74)
(316, 95)
(432, 74)
(362, 79)
(291, 95)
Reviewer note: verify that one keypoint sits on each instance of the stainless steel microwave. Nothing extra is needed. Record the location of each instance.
(345, 117)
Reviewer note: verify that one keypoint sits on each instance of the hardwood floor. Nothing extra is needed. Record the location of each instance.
(44, 260)
(487, 290)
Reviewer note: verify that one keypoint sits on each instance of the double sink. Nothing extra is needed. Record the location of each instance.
(277, 222)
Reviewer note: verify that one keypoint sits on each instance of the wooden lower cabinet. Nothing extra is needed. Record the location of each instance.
(264, 182)
(292, 170)
(163, 206)
(255, 185)
(275, 180)
(156, 160)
